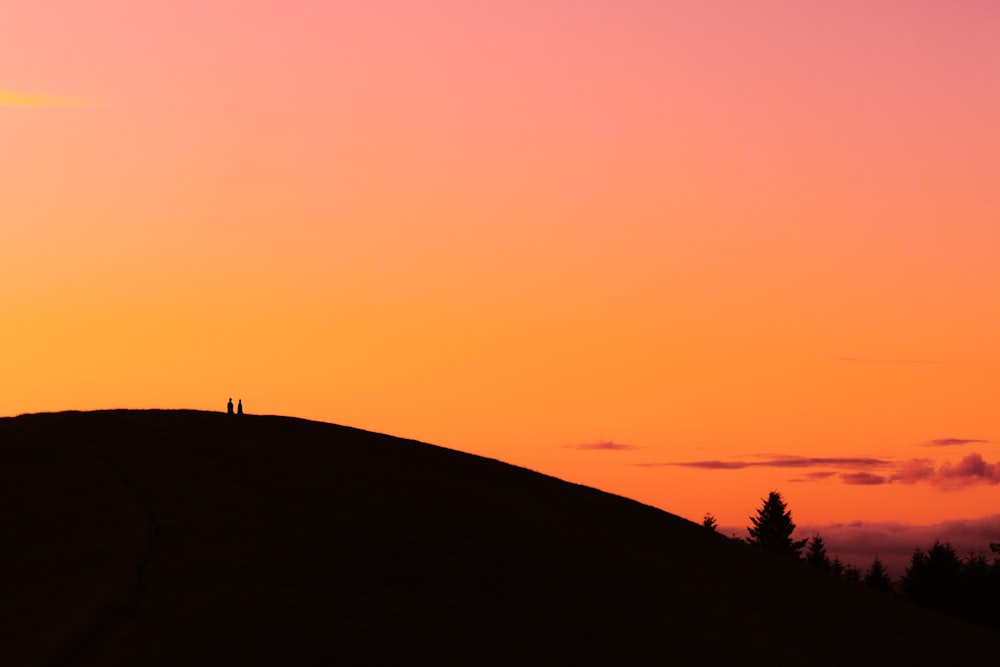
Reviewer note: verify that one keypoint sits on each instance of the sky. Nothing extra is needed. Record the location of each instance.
(684, 252)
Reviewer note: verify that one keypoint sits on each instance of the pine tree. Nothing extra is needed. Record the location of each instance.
(975, 594)
(816, 553)
(878, 577)
(773, 527)
(932, 579)
(709, 522)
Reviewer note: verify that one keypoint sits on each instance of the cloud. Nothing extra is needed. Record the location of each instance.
(780, 462)
(953, 442)
(913, 471)
(972, 469)
(12, 99)
(708, 465)
(859, 542)
(604, 445)
(815, 475)
(806, 462)
(857, 470)
(862, 478)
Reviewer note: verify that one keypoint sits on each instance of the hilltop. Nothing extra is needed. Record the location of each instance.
(185, 537)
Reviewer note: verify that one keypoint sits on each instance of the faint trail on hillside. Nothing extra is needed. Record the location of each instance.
(116, 609)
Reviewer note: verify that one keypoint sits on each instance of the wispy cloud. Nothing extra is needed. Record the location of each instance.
(708, 465)
(10, 98)
(605, 445)
(953, 442)
(778, 462)
(814, 475)
(858, 470)
(812, 461)
(862, 478)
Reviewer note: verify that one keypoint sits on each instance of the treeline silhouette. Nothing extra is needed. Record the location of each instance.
(968, 588)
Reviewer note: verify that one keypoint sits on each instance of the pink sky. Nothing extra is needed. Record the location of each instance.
(714, 232)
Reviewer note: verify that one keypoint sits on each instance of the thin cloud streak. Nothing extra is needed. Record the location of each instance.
(862, 478)
(778, 462)
(954, 442)
(814, 475)
(708, 465)
(604, 445)
(971, 470)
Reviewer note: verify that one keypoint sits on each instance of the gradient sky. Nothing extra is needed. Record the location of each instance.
(687, 252)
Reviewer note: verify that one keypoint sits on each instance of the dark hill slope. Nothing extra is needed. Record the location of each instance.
(180, 537)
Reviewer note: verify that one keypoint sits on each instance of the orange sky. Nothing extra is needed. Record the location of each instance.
(763, 235)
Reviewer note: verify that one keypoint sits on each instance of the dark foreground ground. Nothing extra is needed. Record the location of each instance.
(192, 538)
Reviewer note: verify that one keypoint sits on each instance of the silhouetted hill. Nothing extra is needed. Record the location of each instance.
(182, 537)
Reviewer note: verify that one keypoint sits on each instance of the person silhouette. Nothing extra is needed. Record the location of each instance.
(239, 408)
(229, 408)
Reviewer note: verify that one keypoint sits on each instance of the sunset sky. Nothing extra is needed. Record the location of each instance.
(687, 252)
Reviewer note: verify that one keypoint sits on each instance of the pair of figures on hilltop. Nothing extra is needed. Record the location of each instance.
(239, 409)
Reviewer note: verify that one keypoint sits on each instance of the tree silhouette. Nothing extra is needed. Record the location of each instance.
(977, 590)
(709, 522)
(968, 588)
(773, 527)
(816, 553)
(932, 579)
(878, 577)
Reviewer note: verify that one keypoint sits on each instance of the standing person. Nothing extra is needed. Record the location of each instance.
(229, 408)
(239, 408)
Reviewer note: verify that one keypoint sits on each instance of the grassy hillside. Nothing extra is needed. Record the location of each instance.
(182, 537)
